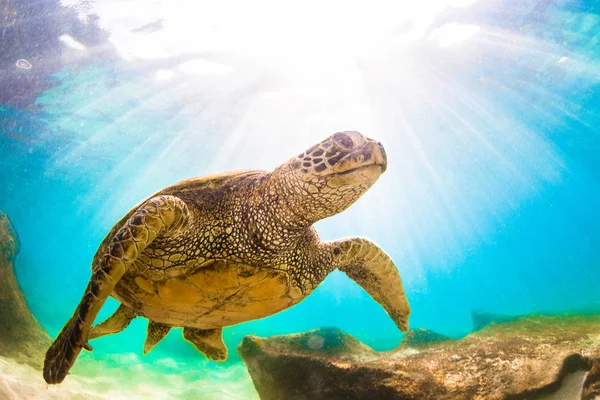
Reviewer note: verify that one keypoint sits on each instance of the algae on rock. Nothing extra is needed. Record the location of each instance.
(533, 358)
(21, 336)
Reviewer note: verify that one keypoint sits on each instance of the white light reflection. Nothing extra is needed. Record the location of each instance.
(164, 74)
(270, 30)
(201, 67)
(453, 33)
(72, 43)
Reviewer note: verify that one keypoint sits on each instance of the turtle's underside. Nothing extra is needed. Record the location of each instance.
(219, 250)
(217, 294)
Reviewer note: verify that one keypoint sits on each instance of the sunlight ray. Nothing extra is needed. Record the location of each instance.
(104, 134)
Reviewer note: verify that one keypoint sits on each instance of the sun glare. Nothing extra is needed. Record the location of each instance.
(453, 33)
(273, 31)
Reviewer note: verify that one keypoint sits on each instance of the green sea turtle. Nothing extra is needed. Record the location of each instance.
(218, 250)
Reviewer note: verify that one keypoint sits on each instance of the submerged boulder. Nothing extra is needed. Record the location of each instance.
(21, 336)
(420, 337)
(481, 319)
(535, 357)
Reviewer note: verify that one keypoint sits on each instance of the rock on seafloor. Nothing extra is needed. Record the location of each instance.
(21, 336)
(418, 338)
(531, 358)
(482, 319)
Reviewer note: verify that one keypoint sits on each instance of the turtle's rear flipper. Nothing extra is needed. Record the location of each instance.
(160, 215)
(114, 324)
(208, 341)
(154, 334)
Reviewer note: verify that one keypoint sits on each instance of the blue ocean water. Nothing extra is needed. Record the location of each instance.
(489, 114)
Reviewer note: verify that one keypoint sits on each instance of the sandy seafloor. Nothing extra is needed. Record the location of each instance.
(126, 377)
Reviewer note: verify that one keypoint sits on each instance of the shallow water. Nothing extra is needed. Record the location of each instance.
(488, 111)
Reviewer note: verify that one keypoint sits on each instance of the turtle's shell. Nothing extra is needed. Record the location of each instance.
(201, 278)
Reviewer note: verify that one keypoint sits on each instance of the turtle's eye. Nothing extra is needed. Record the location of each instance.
(343, 140)
(296, 164)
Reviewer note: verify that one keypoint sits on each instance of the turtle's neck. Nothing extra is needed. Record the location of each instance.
(273, 213)
(279, 194)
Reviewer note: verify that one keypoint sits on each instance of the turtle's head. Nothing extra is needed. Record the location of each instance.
(330, 176)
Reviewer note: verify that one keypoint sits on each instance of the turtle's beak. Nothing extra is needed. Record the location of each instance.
(368, 156)
(380, 157)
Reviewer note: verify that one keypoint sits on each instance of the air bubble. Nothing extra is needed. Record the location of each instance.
(24, 64)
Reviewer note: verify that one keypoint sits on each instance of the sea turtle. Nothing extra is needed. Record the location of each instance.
(218, 250)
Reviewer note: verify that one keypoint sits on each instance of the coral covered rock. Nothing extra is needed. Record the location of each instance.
(21, 336)
(482, 319)
(530, 358)
(418, 338)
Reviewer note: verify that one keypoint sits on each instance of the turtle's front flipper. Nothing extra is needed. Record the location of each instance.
(114, 324)
(208, 341)
(374, 271)
(161, 215)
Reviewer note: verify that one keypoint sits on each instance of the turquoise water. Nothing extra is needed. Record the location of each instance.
(490, 201)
